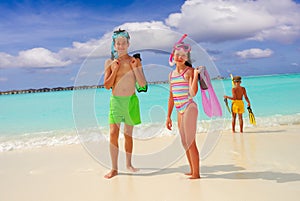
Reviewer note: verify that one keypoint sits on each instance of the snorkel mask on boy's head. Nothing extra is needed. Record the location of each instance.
(180, 45)
(117, 34)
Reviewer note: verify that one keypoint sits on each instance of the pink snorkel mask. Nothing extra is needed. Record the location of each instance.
(177, 46)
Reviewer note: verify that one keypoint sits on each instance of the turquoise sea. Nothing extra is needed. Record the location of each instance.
(54, 118)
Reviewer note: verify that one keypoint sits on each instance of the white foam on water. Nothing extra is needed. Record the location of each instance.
(141, 132)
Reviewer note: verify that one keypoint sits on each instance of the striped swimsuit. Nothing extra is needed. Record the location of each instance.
(180, 90)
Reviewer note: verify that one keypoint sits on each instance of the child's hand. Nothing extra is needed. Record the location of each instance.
(196, 72)
(169, 123)
(200, 68)
(134, 63)
(115, 65)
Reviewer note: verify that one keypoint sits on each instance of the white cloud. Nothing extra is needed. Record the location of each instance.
(145, 34)
(153, 34)
(36, 57)
(218, 20)
(294, 64)
(3, 79)
(5, 60)
(202, 20)
(254, 53)
(79, 50)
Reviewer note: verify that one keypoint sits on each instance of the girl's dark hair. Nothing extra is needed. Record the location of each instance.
(189, 62)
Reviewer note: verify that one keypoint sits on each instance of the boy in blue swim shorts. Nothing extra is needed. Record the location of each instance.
(122, 73)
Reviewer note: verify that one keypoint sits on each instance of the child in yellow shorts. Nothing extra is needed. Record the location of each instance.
(238, 92)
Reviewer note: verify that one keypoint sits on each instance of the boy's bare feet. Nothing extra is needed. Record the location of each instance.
(188, 173)
(195, 177)
(132, 169)
(111, 174)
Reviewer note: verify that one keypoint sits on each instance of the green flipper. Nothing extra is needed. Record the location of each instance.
(141, 88)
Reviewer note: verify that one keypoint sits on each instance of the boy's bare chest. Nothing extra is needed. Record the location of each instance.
(124, 69)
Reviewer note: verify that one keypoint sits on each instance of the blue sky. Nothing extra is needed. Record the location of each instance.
(45, 43)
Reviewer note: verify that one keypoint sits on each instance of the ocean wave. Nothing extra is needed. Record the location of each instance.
(29, 141)
(142, 132)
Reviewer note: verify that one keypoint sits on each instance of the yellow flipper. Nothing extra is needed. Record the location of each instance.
(251, 116)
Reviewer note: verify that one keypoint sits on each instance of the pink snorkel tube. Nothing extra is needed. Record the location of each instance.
(172, 54)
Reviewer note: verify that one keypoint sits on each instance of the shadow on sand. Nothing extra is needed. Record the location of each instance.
(235, 172)
(225, 172)
(266, 131)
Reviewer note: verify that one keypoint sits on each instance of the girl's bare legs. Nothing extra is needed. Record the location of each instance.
(188, 129)
(183, 141)
(188, 155)
(114, 150)
(128, 147)
(195, 161)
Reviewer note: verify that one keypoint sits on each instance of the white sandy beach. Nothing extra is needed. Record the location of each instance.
(261, 164)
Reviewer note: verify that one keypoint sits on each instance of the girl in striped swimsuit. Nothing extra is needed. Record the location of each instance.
(184, 86)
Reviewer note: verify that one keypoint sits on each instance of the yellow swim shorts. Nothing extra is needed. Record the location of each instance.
(238, 106)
